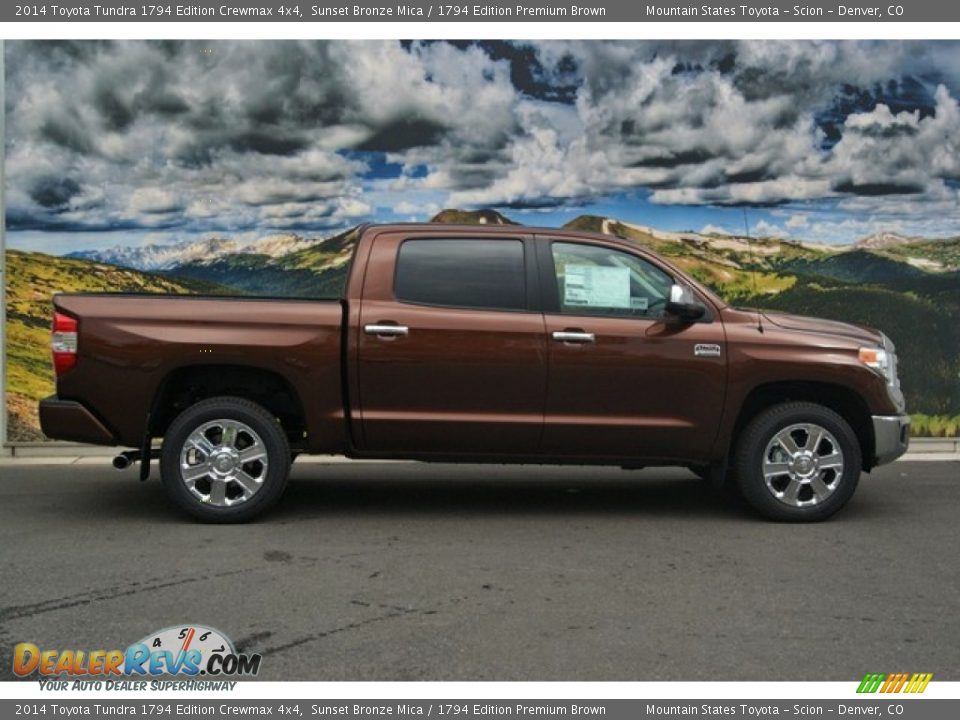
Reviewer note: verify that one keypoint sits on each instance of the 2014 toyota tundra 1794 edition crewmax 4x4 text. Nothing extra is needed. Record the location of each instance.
(479, 344)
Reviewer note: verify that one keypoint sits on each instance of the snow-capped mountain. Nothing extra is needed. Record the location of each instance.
(165, 257)
(885, 239)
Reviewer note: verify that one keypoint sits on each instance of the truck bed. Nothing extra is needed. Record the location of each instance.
(130, 345)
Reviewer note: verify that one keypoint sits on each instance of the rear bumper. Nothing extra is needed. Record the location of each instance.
(70, 420)
(891, 437)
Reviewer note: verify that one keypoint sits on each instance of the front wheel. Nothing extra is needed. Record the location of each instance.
(225, 459)
(798, 461)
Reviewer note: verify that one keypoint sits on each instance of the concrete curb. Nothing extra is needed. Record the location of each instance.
(921, 449)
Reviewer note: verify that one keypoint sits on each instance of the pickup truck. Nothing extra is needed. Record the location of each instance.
(500, 344)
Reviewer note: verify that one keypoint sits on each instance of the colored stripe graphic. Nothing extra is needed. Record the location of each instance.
(870, 683)
(894, 682)
(919, 682)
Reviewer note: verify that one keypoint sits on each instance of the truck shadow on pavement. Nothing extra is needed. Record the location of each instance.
(419, 489)
(377, 490)
(306, 501)
(416, 489)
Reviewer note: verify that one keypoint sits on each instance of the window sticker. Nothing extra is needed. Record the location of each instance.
(596, 286)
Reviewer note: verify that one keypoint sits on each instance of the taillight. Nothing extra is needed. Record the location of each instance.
(64, 343)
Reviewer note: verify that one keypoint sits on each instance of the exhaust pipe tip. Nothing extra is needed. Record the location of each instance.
(121, 462)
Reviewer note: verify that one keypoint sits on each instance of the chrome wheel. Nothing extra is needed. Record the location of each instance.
(802, 465)
(223, 463)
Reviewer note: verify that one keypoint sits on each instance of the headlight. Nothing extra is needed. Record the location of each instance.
(879, 360)
(884, 361)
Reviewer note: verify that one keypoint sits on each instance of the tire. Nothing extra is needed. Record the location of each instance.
(225, 460)
(783, 477)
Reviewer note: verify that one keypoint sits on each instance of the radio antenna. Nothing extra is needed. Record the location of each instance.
(753, 273)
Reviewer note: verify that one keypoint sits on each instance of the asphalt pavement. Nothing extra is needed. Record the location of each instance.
(407, 571)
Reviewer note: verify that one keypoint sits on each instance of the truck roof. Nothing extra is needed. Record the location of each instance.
(490, 228)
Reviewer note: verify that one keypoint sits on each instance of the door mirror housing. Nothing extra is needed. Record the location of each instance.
(684, 305)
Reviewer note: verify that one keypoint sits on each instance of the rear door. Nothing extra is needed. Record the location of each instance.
(625, 380)
(452, 347)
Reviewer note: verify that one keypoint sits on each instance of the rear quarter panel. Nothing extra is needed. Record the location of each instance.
(129, 344)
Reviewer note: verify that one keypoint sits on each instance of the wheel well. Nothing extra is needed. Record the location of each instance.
(186, 386)
(843, 401)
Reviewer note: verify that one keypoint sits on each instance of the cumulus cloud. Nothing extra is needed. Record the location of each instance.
(738, 123)
(764, 228)
(711, 229)
(245, 136)
(152, 200)
(235, 135)
(887, 153)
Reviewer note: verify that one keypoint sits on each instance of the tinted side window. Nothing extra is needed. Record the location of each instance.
(598, 280)
(462, 273)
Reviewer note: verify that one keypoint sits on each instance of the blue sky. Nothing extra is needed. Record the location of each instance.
(132, 143)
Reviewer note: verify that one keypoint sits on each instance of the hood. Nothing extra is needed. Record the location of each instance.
(802, 323)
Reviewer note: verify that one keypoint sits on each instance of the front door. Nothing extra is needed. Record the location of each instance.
(625, 379)
(452, 347)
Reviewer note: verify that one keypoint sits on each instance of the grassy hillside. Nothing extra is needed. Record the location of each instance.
(937, 255)
(854, 266)
(32, 279)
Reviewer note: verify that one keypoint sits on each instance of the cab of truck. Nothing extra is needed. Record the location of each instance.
(481, 344)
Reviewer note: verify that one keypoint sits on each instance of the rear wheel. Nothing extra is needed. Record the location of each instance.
(224, 460)
(798, 461)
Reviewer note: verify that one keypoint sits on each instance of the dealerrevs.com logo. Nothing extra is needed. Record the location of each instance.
(187, 650)
(895, 682)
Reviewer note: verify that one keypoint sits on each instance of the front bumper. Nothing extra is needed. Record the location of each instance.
(891, 437)
(69, 420)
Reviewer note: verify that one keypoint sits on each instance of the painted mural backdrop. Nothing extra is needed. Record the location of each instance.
(242, 166)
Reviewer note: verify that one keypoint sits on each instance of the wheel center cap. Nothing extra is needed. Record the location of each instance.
(224, 462)
(804, 465)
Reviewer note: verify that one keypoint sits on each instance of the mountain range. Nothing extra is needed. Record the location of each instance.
(907, 286)
(922, 253)
(166, 256)
(887, 239)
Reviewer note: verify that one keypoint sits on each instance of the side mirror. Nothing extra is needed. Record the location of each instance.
(683, 304)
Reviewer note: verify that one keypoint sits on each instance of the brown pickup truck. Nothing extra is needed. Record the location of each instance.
(498, 344)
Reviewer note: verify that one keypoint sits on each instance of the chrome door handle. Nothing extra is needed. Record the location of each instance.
(386, 329)
(573, 337)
